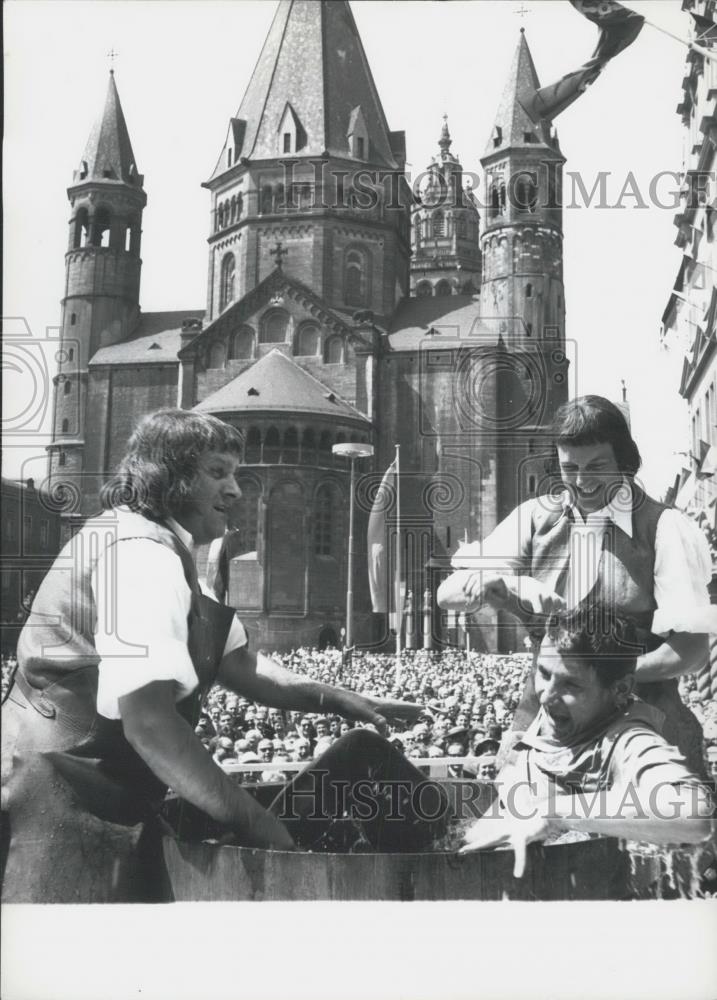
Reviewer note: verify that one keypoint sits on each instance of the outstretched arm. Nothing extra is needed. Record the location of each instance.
(682, 653)
(168, 746)
(262, 679)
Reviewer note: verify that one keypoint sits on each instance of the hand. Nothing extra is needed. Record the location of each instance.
(265, 831)
(508, 831)
(382, 713)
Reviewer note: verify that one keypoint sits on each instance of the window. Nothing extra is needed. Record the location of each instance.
(82, 229)
(528, 291)
(26, 527)
(252, 450)
(44, 533)
(528, 329)
(461, 226)
(274, 327)
(439, 223)
(61, 458)
(355, 278)
(73, 319)
(241, 345)
(526, 193)
(226, 291)
(290, 453)
(424, 290)
(246, 517)
(324, 527)
(71, 354)
(65, 425)
(334, 351)
(360, 147)
(272, 447)
(10, 516)
(101, 228)
(309, 340)
(308, 447)
(531, 485)
(68, 387)
(287, 142)
(267, 198)
(443, 287)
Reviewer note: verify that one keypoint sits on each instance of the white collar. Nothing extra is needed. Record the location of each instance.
(617, 510)
(182, 534)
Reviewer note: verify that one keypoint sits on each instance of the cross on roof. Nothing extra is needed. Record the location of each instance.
(112, 55)
(522, 11)
(278, 252)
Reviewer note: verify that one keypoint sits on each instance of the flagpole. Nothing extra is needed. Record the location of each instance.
(398, 566)
(709, 53)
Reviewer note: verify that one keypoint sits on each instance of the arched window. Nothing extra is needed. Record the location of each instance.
(325, 517)
(309, 340)
(101, 228)
(461, 226)
(494, 207)
(279, 201)
(241, 345)
(439, 223)
(444, 288)
(252, 449)
(334, 353)
(290, 453)
(424, 290)
(216, 355)
(240, 205)
(226, 293)
(355, 277)
(272, 447)
(82, 229)
(234, 208)
(71, 354)
(528, 291)
(65, 425)
(526, 193)
(245, 519)
(325, 443)
(267, 199)
(531, 485)
(68, 387)
(274, 327)
(308, 447)
(61, 458)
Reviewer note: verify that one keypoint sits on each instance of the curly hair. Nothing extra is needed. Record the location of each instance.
(595, 420)
(595, 633)
(156, 474)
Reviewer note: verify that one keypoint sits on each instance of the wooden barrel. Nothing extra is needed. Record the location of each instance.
(593, 869)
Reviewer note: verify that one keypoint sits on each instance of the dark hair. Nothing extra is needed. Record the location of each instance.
(155, 476)
(594, 632)
(595, 420)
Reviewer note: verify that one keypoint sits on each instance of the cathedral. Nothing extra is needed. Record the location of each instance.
(342, 306)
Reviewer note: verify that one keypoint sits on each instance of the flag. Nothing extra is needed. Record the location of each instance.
(619, 27)
(378, 543)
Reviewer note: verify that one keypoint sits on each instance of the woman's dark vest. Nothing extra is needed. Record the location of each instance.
(626, 584)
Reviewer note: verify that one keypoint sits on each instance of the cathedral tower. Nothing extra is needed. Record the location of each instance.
(309, 161)
(522, 241)
(102, 272)
(444, 231)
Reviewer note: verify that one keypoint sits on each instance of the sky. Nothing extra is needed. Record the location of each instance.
(181, 69)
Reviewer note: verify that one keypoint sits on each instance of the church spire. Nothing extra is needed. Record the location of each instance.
(444, 143)
(513, 126)
(108, 154)
(312, 93)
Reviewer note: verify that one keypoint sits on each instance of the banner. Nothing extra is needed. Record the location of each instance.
(619, 28)
(378, 543)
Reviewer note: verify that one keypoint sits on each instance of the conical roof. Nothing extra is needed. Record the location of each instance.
(108, 154)
(312, 61)
(275, 382)
(513, 126)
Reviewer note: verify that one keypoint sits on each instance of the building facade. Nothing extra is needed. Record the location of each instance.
(339, 308)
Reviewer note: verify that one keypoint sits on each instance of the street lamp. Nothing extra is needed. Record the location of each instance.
(352, 451)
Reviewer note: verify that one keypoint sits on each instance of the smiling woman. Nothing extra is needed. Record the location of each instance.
(601, 537)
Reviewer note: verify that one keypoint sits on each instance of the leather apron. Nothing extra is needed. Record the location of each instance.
(80, 806)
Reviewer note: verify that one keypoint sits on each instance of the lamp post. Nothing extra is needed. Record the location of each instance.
(352, 451)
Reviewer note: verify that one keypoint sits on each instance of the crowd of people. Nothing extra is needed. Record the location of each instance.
(469, 702)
